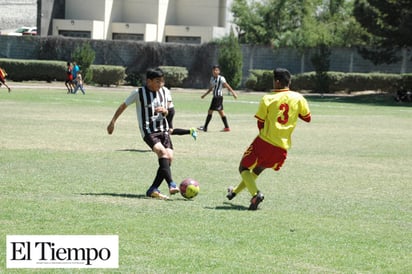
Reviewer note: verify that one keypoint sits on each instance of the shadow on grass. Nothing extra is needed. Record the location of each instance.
(135, 150)
(133, 196)
(123, 195)
(228, 206)
(378, 99)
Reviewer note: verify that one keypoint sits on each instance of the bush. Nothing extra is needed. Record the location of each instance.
(230, 60)
(84, 57)
(338, 81)
(174, 76)
(42, 70)
(26, 70)
(251, 82)
(263, 79)
(108, 75)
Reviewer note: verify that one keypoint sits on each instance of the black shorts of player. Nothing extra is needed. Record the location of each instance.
(217, 103)
(2, 80)
(158, 137)
(170, 115)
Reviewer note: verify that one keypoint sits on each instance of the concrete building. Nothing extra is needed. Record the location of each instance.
(183, 21)
(17, 13)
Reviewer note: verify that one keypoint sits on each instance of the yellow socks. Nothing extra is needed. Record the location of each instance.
(249, 181)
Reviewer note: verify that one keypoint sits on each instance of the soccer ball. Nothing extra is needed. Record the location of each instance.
(189, 188)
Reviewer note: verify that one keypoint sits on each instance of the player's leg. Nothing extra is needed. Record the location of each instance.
(181, 131)
(248, 162)
(163, 171)
(207, 121)
(8, 88)
(164, 151)
(224, 120)
(67, 86)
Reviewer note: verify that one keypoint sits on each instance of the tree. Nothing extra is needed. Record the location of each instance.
(389, 27)
(230, 59)
(251, 26)
(84, 57)
(296, 23)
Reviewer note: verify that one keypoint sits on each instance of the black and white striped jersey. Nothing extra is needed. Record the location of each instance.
(217, 84)
(146, 101)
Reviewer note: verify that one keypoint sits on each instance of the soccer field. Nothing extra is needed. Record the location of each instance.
(340, 204)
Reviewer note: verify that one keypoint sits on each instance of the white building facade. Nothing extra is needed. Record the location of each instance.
(183, 21)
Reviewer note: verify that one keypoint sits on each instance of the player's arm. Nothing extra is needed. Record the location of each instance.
(304, 112)
(306, 117)
(116, 115)
(207, 92)
(260, 122)
(226, 85)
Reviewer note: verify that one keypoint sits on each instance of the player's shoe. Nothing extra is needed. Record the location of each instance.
(173, 189)
(226, 129)
(156, 195)
(256, 200)
(230, 194)
(9, 90)
(202, 128)
(193, 133)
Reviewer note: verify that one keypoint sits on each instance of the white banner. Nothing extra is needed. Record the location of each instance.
(62, 251)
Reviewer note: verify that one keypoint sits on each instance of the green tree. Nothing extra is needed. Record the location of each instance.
(230, 59)
(84, 56)
(251, 26)
(389, 27)
(302, 24)
(296, 23)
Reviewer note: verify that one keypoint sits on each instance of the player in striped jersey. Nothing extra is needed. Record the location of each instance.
(217, 83)
(151, 108)
(276, 119)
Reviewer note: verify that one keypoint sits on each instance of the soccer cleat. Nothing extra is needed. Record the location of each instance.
(226, 129)
(256, 200)
(193, 133)
(201, 128)
(230, 194)
(157, 195)
(173, 189)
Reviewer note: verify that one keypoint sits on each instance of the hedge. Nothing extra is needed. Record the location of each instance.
(262, 80)
(45, 70)
(174, 76)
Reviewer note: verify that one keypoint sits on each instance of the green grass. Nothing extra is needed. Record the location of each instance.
(341, 203)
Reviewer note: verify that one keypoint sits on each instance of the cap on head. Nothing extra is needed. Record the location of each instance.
(282, 75)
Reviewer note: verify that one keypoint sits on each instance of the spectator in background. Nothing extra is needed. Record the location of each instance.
(79, 83)
(3, 75)
(75, 70)
(69, 78)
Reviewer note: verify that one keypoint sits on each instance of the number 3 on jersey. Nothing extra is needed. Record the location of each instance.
(284, 117)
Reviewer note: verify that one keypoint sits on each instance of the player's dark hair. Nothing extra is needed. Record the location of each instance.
(282, 75)
(153, 73)
(216, 66)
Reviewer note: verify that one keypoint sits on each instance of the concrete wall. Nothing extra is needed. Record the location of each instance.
(198, 59)
(17, 13)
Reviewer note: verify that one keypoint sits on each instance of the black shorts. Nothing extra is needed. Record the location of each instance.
(158, 137)
(170, 115)
(217, 103)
